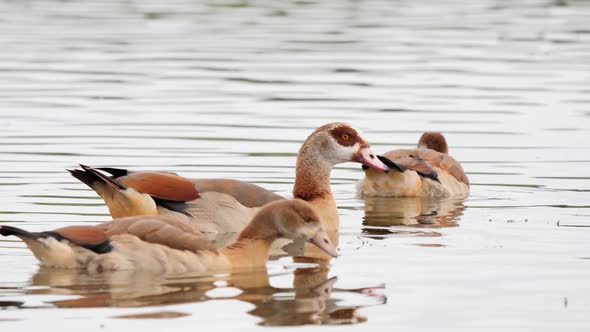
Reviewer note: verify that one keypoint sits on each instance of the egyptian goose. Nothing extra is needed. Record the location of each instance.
(164, 244)
(224, 205)
(426, 171)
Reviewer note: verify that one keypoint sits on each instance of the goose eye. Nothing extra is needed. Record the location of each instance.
(308, 219)
(345, 137)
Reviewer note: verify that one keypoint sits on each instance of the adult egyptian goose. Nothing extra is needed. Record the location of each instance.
(426, 171)
(166, 245)
(224, 205)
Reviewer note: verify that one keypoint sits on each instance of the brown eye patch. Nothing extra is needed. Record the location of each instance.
(345, 135)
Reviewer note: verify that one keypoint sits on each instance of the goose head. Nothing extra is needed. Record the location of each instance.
(296, 219)
(339, 142)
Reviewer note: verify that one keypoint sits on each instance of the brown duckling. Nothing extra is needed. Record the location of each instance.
(166, 244)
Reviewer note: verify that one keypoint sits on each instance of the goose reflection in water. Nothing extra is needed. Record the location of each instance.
(415, 212)
(312, 300)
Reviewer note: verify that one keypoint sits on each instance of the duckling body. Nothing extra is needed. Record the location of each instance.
(426, 171)
(166, 245)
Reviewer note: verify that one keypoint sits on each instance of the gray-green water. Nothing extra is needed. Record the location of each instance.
(232, 88)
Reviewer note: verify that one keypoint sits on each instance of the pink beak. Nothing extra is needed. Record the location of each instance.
(322, 241)
(369, 159)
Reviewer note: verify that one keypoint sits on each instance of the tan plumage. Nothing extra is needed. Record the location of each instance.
(425, 171)
(224, 205)
(165, 244)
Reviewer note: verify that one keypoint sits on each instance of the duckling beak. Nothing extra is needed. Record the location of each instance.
(368, 158)
(322, 241)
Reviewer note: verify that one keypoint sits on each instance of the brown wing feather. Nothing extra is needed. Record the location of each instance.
(248, 194)
(398, 153)
(424, 160)
(164, 230)
(418, 165)
(83, 234)
(444, 162)
(161, 185)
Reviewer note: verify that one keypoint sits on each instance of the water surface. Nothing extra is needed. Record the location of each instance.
(232, 88)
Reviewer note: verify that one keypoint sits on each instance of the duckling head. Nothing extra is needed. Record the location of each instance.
(296, 219)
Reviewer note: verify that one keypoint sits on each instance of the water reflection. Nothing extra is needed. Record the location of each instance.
(418, 212)
(313, 299)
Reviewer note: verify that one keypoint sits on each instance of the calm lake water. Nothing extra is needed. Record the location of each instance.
(232, 88)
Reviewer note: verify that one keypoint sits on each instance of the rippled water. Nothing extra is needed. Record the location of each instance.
(232, 88)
